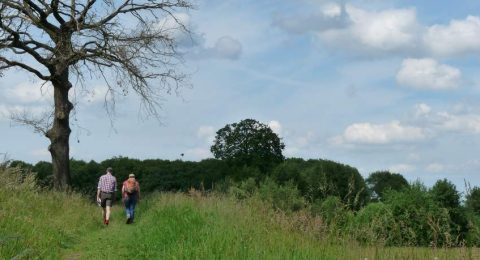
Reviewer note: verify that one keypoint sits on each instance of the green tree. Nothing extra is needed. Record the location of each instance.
(420, 220)
(473, 200)
(445, 194)
(381, 181)
(323, 178)
(250, 143)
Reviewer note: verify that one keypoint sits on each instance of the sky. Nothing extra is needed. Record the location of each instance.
(375, 84)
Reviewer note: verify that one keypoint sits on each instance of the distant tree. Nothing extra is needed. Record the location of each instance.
(422, 222)
(381, 181)
(250, 143)
(445, 194)
(60, 42)
(324, 178)
(473, 200)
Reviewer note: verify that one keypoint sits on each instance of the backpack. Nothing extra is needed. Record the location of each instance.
(131, 186)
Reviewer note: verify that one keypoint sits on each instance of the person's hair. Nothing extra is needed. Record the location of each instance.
(109, 169)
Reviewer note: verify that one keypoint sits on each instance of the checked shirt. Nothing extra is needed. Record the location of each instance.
(107, 183)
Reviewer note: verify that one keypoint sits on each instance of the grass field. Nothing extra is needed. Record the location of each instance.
(49, 225)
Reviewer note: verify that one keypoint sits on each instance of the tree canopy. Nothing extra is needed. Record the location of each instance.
(248, 142)
(381, 181)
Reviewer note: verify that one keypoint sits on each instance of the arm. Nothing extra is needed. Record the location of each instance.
(98, 188)
(138, 188)
(115, 190)
(124, 196)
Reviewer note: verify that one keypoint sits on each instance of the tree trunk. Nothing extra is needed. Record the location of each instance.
(59, 134)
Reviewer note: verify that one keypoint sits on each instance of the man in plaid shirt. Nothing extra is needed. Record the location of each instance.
(107, 186)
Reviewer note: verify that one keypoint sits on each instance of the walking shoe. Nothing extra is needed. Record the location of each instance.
(106, 222)
(128, 220)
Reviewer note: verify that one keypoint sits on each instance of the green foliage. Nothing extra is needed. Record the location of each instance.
(445, 194)
(248, 142)
(473, 200)
(375, 225)
(420, 220)
(382, 181)
(318, 179)
(284, 197)
(245, 189)
(331, 209)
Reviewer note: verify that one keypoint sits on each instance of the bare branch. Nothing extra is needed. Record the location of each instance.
(9, 64)
(40, 124)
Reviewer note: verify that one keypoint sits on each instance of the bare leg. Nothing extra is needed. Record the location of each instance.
(107, 215)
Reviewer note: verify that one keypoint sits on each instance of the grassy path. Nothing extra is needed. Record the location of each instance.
(177, 227)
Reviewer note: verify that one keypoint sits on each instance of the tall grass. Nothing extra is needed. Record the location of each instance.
(38, 224)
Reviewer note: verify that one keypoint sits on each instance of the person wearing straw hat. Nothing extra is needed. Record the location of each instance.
(130, 195)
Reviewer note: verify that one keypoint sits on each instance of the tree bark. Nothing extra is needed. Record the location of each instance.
(59, 134)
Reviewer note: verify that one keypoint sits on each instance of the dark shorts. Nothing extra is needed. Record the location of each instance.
(106, 199)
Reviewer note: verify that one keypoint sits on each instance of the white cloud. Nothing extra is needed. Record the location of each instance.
(428, 74)
(327, 17)
(206, 133)
(98, 93)
(367, 133)
(374, 32)
(460, 120)
(227, 47)
(385, 30)
(402, 168)
(332, 10)
(435, 167)
(6, 111)
(422, 110)
(300, 143)
(390, 30)
(174, 26)
(469, 123)
(275, 126)
(459, 37)
(30, 92)
(198, 153)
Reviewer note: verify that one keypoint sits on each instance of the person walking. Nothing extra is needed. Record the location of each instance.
(131, 196)
(107, 186)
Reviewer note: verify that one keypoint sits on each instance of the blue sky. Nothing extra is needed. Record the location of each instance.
(374, 84)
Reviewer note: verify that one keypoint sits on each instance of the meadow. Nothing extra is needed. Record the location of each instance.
(41, 224)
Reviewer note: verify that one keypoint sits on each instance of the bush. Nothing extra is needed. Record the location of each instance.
(421, 222)
(375, 224)
(243, 190)
(284, 197)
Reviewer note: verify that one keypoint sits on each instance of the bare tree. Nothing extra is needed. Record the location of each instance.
(128, 43)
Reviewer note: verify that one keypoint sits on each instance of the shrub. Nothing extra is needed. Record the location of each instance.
(285, 197)
(375, 224)
(421, 222)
